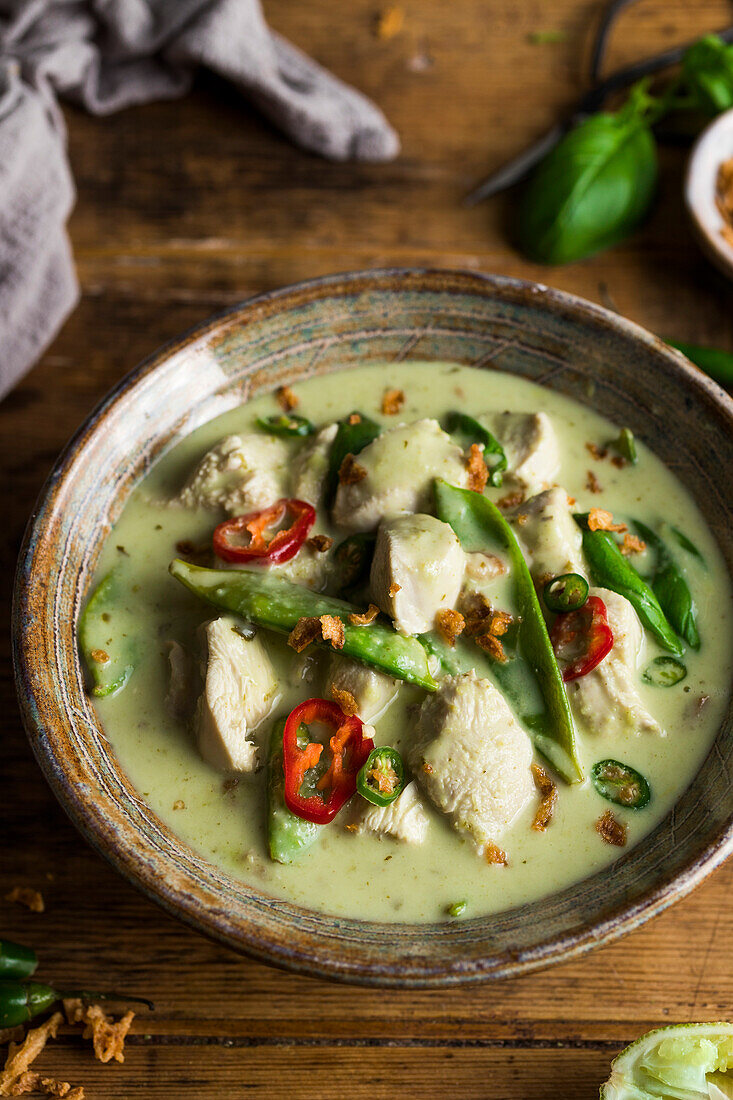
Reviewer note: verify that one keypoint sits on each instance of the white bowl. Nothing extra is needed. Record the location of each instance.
(714, 146)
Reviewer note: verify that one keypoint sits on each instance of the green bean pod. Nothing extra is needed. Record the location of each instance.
(16, 961)
(287, 834)
(277, 604)
(350, 439)
(671, 588)
(610, 569)
(533, 683)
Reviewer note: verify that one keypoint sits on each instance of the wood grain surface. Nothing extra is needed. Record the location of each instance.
(184, 208)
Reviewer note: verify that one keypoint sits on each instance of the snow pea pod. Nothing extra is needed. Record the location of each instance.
(23, 1001)
(353, 435)
(479, 523)
(107, 652)
(610, 569)
(277, 604)
(16, 961)
(671, 588)
(287, 834)
(458, 422)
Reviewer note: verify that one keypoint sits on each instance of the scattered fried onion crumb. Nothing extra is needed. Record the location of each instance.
(365, 618)
(350, 472)
(345, 700)
(478, 472)
(548, 795)
(392, 402)
(308, 629)
(596, 451)
(494, 854)
(26, 895)
(610, 829)
(449, 624)
(179, 804)
(394, 588)
(511, 500)
(491, 644)
(632, 544)
(724, 198)
(22, 1055)
(390, 22)
(286, 398)
(332, 629)
(100, 656)
(601, 520)
(593, 484)
(49, 1086)
(499, 623)
(107, 1035)
(354, 418)
(321, 543)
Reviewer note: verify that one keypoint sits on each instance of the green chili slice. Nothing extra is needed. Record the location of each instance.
(354, 433)
(568, 592)
(494, 456)
(285, 424)
(353, 560)
(626, 446)
(665, 672)
(671, 588)
(382, 777)
(457, 908)
(621, 784)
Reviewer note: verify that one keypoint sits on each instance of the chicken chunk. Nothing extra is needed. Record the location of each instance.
(240, 691)
(417, 569)
(400, 467)
(607, 700)
(404, 819)
(472, 758)
(372, 691)
(530, 446)
(545, 525)
(240, 474)
(310, 466)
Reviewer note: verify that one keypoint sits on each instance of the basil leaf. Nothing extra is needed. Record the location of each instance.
(592, 189)
(707, 71)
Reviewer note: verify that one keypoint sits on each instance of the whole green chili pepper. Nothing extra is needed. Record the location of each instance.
(108, 654)
(277, 604)
(671, 588)
(285, 424)
(620, 783)
(714, 361)
(382, 776)
(287, 834)
(479, 523)
(477, 433)
(23, 1001)
(610, 569)
(350, 439)
(16, 961)
(568, 592)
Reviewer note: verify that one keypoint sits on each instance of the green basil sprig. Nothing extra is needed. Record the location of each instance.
(671, 588)
(707, 73)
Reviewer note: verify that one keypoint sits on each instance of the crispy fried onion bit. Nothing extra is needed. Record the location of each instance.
(365, 618)
(320, 543)
(610, 829)
(601, 520)
(346, 701)
(26, 895)
(449, 624)
(286, 398)
(327, 628)
(478, 473)
(350, 472)
(485, 625)
(494, 854)
(632, 544)
(548, 796)
(107, 1035)
(392, 402)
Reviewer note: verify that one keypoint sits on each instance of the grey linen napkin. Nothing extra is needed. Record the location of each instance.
(111, 54)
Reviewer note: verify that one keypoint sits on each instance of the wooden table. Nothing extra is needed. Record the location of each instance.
(183, 209)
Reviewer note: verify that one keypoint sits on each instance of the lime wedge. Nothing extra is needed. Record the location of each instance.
(684, 1062)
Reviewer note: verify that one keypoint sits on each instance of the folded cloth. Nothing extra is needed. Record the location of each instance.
(111, 54)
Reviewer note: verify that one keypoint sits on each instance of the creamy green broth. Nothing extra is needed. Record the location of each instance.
(365, 876)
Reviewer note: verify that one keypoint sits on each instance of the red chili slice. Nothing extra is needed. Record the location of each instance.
(349, 750)
(582, 638)
(283, 545)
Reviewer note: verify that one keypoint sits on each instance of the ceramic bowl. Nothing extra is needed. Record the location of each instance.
(714, 146)
(496, 324)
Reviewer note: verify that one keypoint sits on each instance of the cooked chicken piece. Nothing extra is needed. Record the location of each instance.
(482, 567)
(240, 474)
(180, 698)
(400, 467)
(472, 758)
(417, 569)
(607, 699)
(530, 446)
(404, 819)
(240, 691)
(310, 465)
(545, 525)
(372, 691)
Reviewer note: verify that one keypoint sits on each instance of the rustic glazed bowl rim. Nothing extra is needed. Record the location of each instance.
(313, 960)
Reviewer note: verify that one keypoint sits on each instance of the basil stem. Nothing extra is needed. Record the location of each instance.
(610, 569)
(458, 422)
(287, 834)
(542, 704)
(350, 439)
(277, 604)
(714, 361)
(671, 588)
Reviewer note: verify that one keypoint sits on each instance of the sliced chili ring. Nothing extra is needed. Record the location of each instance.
(349, 750)
(622, 784)
(283, 545)
(568, 592)
(285, 424)
(581, 639)
(382, 777)
(665, 672)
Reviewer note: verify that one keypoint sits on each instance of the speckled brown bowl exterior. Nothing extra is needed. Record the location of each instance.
(497, 324)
